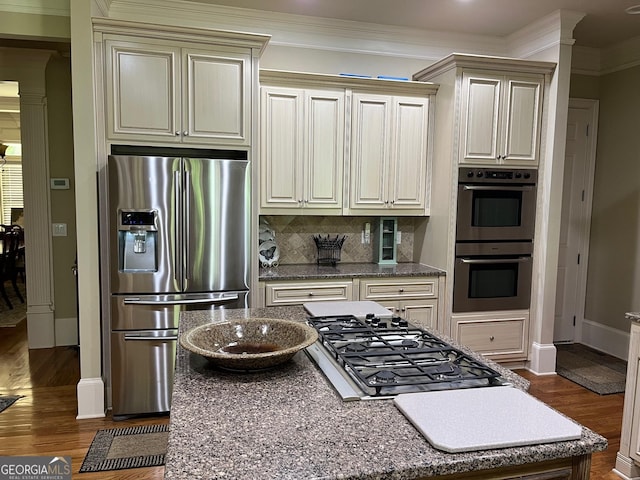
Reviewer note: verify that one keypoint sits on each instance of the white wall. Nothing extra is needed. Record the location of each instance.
(613, 281)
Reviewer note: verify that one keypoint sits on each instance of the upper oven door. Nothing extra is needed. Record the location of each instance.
(495, 212)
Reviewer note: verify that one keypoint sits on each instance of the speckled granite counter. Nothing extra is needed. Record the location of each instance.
(635, 316)
(288, 423)
(347, 270)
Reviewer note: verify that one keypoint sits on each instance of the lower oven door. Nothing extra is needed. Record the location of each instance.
(142, 370)
(492, 277)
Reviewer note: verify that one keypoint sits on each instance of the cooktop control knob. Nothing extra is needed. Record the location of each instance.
(469, 174)
(403, 323)
(518, 175)
(527, 175)
(480, 174)
(395, 321)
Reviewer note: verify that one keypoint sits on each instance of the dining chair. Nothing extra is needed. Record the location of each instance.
(10, 247)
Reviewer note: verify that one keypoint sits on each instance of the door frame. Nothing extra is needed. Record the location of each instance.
(592, 106)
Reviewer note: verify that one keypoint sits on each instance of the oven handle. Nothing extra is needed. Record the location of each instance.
(523, 188)
(495, 260)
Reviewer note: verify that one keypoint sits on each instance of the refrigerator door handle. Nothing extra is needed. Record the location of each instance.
(141, 337)
(184, 301)
(177, 233)
(187, 214)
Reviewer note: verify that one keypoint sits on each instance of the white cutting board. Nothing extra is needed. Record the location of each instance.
(357, 309)
(474, 419)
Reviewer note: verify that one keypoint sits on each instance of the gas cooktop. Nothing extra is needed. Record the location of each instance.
(381, 357)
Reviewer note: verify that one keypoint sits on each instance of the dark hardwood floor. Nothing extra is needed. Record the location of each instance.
(44, 421)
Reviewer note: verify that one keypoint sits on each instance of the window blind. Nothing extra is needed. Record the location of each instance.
(11, 189)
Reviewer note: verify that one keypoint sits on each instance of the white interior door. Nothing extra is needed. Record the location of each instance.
(576, 219)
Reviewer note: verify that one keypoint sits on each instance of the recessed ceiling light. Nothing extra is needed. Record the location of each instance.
(633, 10)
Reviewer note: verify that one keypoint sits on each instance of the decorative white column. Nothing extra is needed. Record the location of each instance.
(38, 244)
(27, 67)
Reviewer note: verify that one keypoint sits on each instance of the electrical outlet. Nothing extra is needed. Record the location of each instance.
(398, 237)
(367, 233)
(59, 229)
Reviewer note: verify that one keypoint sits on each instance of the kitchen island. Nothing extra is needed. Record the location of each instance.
(288, 423)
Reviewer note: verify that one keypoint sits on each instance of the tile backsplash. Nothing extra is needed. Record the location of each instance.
(294, 237)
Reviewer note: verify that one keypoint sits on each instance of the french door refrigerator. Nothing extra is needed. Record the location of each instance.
(178, 240)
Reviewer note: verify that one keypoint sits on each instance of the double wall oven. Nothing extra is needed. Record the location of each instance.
(494, 239)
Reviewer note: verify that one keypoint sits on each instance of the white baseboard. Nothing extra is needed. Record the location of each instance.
(66, 330)
(626, 468)
(90, 398)
(605, 339)
(543, 359)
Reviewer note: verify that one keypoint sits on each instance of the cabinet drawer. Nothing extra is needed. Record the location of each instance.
(505, 337)
(298, 293)
(385, 289)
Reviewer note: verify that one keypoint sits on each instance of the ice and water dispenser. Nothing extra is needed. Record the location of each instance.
(137, 238)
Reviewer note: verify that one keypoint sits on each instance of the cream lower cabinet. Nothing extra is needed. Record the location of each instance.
(177, 92)
(296, 292)
(628, 458)
(414, 299)
(302, 145)
(501, 336)
(501, 118)
(389, 155)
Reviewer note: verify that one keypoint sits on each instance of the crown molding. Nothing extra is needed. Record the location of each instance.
(310, 32)
(551, 30)
(621, 56)
(586, 61)
(598, 62)
(58, 8)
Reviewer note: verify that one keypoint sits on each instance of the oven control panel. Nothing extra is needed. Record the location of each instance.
(480, 175)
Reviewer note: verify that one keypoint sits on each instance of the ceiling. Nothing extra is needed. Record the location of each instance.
(604, 25)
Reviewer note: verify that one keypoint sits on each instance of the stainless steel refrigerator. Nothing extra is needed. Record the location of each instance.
(178, 240)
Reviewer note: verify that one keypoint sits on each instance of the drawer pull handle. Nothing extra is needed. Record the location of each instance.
(401, 290)
(492, 338)
(311, 294)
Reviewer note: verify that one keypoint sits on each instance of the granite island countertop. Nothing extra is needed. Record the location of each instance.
(288, 423)
(347, 270)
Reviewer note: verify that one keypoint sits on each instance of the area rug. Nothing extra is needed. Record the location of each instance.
(12, 317)
(7, 400)
(599, 372)
(132, 447)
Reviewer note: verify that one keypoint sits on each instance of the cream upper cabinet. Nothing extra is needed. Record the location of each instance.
(389, 155)
(177, 93)
(500, 121)
(302, 150)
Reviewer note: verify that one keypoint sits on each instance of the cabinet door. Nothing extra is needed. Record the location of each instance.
(631, 415)
(500, 121)
(143, 85)
(282, 127)
(480, 119)
(408, 164)
(422, 313)
(324, 149)
(521, 120)
(216, 97)
(370, 151)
